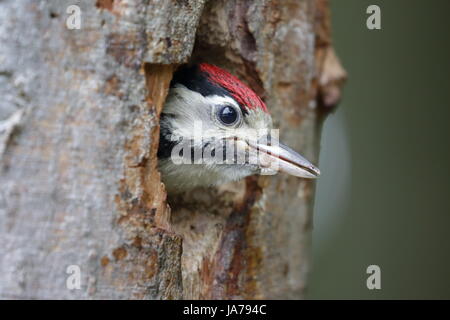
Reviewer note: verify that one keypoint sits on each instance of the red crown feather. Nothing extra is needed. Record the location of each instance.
(240, 92)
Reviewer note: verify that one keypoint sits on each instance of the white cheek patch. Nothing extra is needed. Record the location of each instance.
(193, 115)
(258, 119)
(187, 107)
(218, 100)
(190, 109)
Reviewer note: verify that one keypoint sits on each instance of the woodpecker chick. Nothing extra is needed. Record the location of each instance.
(232, 118)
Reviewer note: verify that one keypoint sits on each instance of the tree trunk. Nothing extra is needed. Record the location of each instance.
(78, 140)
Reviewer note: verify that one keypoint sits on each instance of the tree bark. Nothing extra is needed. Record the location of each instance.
(79, 135)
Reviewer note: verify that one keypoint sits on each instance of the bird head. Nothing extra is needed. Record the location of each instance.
(214, 129)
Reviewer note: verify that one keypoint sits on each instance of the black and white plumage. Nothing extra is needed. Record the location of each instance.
(230, 115)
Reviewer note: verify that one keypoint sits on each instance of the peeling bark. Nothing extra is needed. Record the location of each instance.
(79, 134)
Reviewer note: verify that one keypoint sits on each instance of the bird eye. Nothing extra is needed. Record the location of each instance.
(227, 115)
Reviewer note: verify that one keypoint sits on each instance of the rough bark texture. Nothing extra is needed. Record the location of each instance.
(79, 132)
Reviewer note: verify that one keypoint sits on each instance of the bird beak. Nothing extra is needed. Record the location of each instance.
(280, 158)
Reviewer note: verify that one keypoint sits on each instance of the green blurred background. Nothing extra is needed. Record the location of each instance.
(383, 197)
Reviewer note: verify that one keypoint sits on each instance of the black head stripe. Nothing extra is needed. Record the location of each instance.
(196, 80)
(193, 79)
